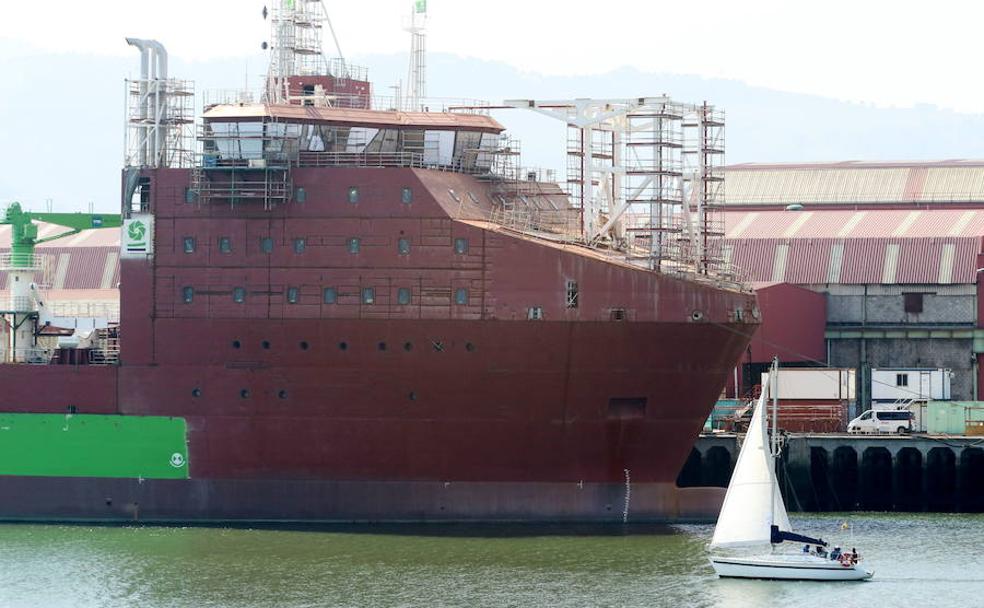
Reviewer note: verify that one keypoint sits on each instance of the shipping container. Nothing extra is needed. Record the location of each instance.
(902, 384)
(815, 383)
(946, 417)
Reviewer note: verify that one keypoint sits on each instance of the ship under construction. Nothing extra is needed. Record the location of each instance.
(338, 306)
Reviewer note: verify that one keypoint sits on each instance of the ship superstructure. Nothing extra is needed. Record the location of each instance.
(343, 308)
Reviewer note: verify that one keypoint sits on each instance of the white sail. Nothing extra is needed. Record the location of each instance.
(746, 516)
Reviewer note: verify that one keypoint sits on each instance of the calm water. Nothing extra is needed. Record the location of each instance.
(930, 561)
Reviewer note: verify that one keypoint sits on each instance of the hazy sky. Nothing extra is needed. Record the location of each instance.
(891, 53)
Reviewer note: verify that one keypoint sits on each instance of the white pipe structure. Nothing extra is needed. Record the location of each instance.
(153, 100)
(142, 87)
(160, 101)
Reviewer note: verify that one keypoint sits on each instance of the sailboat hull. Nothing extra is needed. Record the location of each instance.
(789, 567)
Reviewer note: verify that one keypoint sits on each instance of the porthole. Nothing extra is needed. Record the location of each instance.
(244, 393)
(265, 344)
(282, 394)
(343, 346)
(381, 346)
(196, 392)
(412, 396)
(408, 346)
(469, 347)
(697, 315)
(237, 344)
(304, 345)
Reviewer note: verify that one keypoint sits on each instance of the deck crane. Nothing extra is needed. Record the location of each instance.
(21, 312)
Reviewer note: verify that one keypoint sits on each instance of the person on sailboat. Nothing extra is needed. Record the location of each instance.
(836, 553)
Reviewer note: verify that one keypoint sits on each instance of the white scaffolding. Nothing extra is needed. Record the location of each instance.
(645, 174)
(296, 49)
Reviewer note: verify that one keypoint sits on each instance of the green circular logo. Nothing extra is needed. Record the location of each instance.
(136, 230)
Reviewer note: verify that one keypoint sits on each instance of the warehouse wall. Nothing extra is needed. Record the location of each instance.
(885, 304)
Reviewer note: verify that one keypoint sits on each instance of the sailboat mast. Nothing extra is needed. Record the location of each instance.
(774, 390)
(774, 444)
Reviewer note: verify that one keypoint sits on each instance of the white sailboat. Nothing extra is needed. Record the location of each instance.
(754, 516)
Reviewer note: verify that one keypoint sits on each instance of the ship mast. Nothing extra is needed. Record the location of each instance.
(296, 45)
(417, 74)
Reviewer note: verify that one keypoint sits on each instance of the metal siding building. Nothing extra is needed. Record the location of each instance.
(894, 248)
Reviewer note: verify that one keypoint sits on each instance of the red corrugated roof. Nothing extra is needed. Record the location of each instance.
(873, 246)
(837, 223)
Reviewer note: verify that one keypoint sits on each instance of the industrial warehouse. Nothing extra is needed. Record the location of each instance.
(869, 280)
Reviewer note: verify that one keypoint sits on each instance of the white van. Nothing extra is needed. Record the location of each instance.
(882, 421)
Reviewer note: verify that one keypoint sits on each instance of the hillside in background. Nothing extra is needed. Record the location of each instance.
(61, 117)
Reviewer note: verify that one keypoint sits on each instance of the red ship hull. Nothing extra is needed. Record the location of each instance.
(307, 411)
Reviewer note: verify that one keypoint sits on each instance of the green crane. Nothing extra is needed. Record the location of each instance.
(24, 232)
(20, 314)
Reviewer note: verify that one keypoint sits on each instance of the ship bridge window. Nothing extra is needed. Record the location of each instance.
(406, 196)
(239, 295)
(353, 194)
(461, 246)
(225, 244)
(438, 147)
(466, 148)
(354, 244)
(299, 246)
(330, 295)
(188, 294)
(234, 140)
(189, 244)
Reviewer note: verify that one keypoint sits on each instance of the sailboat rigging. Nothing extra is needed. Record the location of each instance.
(754, 514)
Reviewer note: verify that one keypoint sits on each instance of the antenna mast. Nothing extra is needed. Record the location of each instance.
(417, 77)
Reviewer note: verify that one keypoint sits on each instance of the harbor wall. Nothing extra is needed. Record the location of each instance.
(858, 473)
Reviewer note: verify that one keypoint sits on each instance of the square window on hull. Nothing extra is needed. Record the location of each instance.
(403, 296)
